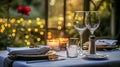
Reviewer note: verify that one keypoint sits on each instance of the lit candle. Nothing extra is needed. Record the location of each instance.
(53, 43)
(63, 43)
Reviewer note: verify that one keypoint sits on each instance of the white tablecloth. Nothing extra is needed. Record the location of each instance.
(113, 61)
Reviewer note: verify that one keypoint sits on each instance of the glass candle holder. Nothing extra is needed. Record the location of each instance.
(53, 43)
(63, 43)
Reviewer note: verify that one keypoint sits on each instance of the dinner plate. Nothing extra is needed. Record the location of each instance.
(95, 56)
(31, 57)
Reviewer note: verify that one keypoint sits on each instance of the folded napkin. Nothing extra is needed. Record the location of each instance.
(28, 51)
(9, 49)
(104, 42)
(25, 53)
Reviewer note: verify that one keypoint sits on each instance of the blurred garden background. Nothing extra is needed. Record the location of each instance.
(49, 18)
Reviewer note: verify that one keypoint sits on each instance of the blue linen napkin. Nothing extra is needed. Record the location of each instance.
(108, 42)
(28, 51)
(10, 49)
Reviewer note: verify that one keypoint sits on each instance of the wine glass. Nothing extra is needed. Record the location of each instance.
(79, 25)
(92, 21)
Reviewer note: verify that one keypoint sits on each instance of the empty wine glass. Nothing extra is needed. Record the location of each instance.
(79, 25)
(92, 21)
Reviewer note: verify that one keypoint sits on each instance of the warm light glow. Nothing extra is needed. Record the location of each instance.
(49, 36)
(59, 27)
(41, 33)
(18, 21)
(69, 24)
(13, 34)
(12, 20)
(22, 19)
(63, 43)
(5, 24)
(53, 43)
(37, 19)
(1, 20)
(63, 40)
(36, 29)
(26, 36)
(38, 39)
(80, 18)
(29, 29)
(41, 26)
(70, 17)
(38, 22)
(68, 12)
(2, 28)
(28, 43)
(29, 21)
(49, 33)
(61, 18)
(14, 30)
(59, 23)
(9, 25)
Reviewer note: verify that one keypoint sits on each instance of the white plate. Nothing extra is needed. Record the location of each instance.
(95, 56)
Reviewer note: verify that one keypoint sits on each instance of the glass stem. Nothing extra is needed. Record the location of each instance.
(81, 46)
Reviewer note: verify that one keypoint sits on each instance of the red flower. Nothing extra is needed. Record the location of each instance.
(24, 10)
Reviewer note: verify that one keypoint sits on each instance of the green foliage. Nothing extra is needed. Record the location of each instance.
(20, 32)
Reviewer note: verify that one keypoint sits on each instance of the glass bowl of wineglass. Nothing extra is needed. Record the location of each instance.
(79, 25)
(92, 21)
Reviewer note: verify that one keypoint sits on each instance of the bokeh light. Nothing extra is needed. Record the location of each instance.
(26, 36)
(36, 29)
(59, 27)
(41, 33)
(29, 29)
(38, 39)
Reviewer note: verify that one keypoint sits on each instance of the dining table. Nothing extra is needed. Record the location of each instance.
(113, 60)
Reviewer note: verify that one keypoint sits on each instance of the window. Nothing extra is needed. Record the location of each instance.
(47, 19)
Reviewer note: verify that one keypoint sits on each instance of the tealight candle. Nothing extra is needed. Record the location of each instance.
(63, 43)
(53, 43)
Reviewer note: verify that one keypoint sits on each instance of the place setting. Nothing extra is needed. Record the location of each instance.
(50, 52)
(59, 33)
(90, 20)
(73, 47)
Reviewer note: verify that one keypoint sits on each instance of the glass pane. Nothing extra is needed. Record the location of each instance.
(55, 17)
(72, 5)
(104, 29)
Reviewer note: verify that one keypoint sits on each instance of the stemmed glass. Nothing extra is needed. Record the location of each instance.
(92, 21)
(79, 25)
